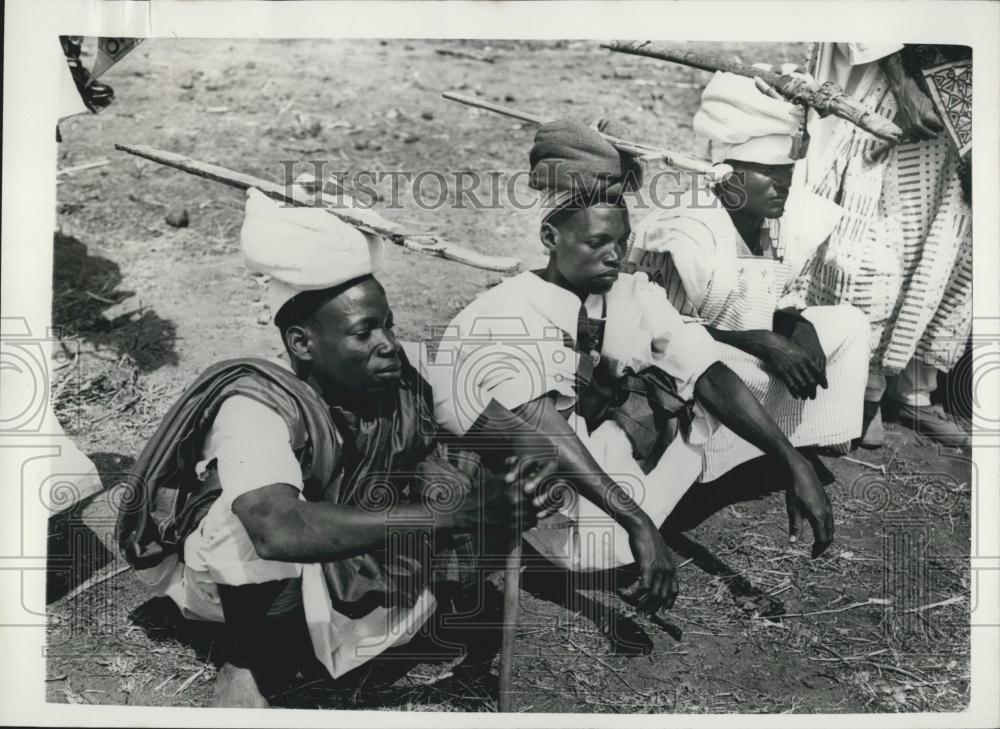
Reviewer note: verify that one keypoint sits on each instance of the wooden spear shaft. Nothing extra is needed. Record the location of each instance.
(826, 99)
(680, 161)
(363, 219)
(511, 609)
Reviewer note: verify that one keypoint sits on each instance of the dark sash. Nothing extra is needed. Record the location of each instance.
(645, 404)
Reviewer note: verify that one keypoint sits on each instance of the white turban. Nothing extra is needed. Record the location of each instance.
(740, 122)
(302, 249)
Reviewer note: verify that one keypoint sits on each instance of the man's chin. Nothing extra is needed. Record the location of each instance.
(383, 384)
(602, 285)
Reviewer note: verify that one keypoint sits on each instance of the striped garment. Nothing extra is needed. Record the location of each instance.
(902, 251)
(697, 255)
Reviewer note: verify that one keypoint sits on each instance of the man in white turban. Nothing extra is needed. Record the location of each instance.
(725, 255)
(277, 497)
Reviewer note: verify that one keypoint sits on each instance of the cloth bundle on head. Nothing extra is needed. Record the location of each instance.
(574, 166)
(740, 122)
(302, 249)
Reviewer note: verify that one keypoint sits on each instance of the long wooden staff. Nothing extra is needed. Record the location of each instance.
(363, 219)
(511, 609)
(827, 98)
(692, 164)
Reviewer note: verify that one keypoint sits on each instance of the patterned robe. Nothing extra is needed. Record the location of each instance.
(902, 251)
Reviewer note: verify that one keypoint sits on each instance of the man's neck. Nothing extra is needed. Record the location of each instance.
(749, 227)
(551, 274)
(356, 403)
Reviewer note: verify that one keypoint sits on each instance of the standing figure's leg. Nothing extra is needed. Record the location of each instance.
(872, 431)
(911, 396)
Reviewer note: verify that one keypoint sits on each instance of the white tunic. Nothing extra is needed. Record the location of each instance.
(515, 343)
(697, 255)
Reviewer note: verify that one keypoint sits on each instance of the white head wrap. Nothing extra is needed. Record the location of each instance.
(302, 249)
(740, 122)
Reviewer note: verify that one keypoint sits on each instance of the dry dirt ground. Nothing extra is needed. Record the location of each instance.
(880, 623)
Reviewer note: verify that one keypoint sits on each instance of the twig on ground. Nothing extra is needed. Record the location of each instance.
(98, 297)
(67, 377)
(121, 408)
(870, 601)
(942, 603)
(769, 621)
(73, 697)
(465, 54)
(85, 166)
(616, 671)
(828, 649)
(732, 683)
(847, 659)
(866, 464)
(897, 670)
(164, 682)
(714, 635)
(190, 680)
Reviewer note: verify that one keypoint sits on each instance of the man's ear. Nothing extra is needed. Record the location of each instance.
(549, 236)
(297, 341)
(732, 190)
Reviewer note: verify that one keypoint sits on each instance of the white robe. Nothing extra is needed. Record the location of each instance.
(514, 344)
(697, 255)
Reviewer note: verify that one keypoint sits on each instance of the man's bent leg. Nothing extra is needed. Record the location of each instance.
(843, 331)
(266, 641)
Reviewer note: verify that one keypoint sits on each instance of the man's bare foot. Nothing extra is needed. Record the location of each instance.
(235, 688)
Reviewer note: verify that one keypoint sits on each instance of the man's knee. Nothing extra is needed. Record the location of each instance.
(838, 325)
(854, 315)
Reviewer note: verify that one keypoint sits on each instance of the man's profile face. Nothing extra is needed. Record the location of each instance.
(764, 188)
(590, 246)
(352, 343)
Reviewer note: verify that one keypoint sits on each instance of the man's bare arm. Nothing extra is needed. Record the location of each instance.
(786, 359)
(727, 397)
(285, 528)
(537, 428)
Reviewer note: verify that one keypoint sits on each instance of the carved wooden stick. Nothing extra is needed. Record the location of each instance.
(827, 98)
(692, 164)
(365, 220)
(511, 608)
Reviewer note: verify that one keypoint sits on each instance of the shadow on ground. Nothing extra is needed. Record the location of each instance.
(89, 303)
